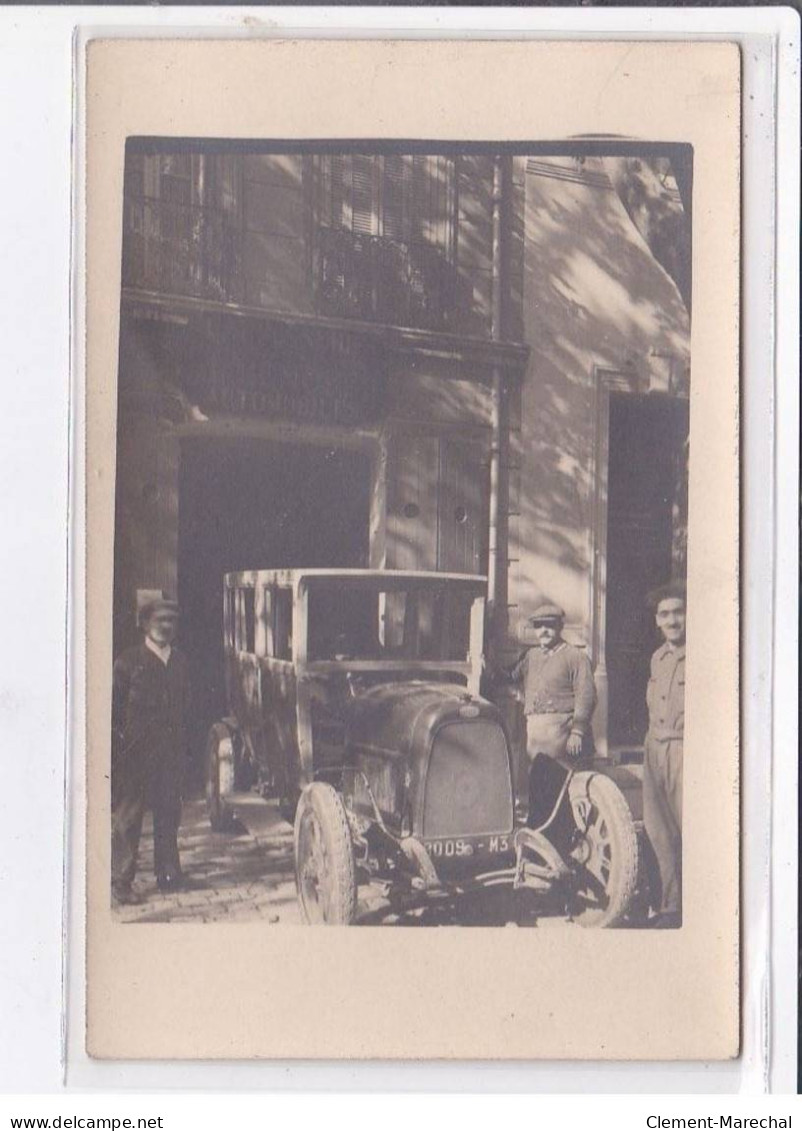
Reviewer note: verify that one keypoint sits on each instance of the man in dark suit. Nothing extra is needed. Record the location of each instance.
(150, 708)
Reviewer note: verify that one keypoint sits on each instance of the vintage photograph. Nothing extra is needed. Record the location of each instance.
(400, 533)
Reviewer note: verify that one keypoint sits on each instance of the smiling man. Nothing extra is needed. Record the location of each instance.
(662, 761)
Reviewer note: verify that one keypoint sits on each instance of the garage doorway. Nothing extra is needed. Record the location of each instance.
(249, 503)
(645, 466)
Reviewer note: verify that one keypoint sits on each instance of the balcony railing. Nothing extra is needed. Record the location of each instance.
(197, 251)
(182, 249)
(377, 279)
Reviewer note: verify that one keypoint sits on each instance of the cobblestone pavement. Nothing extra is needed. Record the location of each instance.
(231, 875)
(247, 875)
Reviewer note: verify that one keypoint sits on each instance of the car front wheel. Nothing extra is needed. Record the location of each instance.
(604, 851)
(324, 858)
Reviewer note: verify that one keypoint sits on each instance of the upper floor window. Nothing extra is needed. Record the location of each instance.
(398, 238)
(183, 223)
(385, 238)
(402, 197)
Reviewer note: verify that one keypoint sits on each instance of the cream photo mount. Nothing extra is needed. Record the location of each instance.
(408, 998)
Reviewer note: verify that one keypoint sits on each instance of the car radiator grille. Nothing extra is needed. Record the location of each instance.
(468, 790)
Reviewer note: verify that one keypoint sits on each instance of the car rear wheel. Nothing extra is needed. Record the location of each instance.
(604, 851)
(220, 776)
(324, 858)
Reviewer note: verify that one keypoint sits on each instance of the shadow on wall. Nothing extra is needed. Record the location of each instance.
(594, 296)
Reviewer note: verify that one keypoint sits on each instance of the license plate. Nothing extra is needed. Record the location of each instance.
(466, 847)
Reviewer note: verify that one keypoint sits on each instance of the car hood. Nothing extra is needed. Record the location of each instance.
(397, 718)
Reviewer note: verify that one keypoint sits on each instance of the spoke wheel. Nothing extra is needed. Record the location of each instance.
(604, 851)
(324, 858)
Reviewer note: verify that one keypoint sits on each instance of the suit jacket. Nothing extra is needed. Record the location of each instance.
(150, 716)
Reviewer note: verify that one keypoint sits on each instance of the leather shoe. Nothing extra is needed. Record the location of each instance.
(170, 881)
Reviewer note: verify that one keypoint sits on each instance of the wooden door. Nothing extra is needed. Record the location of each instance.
(412, 477)
(437, 504)
(462, 510)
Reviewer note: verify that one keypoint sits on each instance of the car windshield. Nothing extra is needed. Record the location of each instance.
(353, 621)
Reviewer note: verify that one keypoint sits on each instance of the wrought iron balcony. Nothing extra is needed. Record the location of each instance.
(188, 250)
(376, 279)
(182, 249)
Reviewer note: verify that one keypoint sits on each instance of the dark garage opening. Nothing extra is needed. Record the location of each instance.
(257, 504)
(645, 479)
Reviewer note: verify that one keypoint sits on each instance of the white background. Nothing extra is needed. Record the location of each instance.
(37, 134)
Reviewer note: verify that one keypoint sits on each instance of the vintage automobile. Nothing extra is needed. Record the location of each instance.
(354, 698)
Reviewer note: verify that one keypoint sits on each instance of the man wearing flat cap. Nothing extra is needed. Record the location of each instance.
(663, 750)
(558, 689)
(150, 706)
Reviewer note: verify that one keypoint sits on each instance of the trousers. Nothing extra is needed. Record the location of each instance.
(548, 734)
(662, 817)
(128, 810)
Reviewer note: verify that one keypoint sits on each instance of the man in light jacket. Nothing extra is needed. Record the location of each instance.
(663, 752)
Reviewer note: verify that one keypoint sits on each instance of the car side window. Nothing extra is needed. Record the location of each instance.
(248, 621)
(392, 613)
(231, 618)
(282, 624)
(267, 622)
(241, 617)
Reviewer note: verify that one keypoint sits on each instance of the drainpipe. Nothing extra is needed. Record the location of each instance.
(497, 534)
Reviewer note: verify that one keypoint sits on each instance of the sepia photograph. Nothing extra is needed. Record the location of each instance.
(401, 533)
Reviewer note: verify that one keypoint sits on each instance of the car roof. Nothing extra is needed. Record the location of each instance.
(293, 577)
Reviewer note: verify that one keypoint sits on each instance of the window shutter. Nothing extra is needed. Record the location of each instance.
(322, 189)
(420, 198)
(443, 203)
(395, 200)
(227, 189)
(433, 199)
(176, 178)
(330, 190)
(336, 189)
(406, 198)
(364, 213)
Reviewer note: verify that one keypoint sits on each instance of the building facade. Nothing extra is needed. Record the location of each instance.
(316, 350)
(454, 361)
(601, 481)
